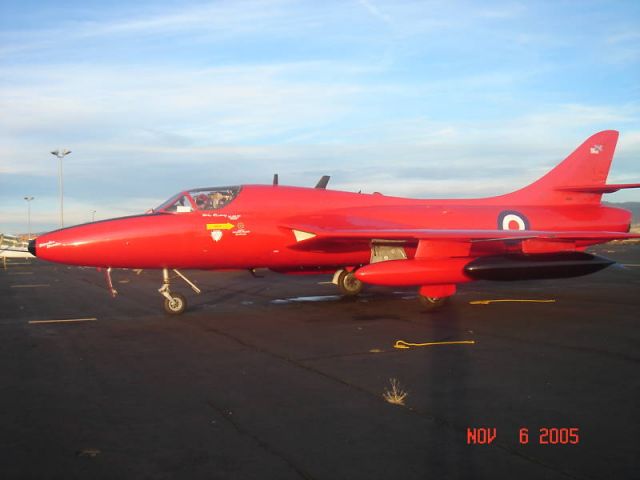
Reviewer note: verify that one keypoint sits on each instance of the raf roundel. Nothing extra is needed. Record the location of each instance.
(510, 220)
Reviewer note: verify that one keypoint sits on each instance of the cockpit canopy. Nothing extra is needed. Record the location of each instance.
(199, 199)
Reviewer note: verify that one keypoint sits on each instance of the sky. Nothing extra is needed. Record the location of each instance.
(430, 99)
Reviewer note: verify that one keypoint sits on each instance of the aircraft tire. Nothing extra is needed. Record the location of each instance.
(176, 305)
(432, 303)
(349, 285)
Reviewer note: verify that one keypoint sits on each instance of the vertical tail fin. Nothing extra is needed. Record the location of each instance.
(587, 167)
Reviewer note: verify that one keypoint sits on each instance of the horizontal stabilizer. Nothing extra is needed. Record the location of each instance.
(614, 187)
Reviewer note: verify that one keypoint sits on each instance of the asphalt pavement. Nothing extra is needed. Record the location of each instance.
(281, 377)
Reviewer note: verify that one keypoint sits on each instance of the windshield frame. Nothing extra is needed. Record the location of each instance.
(231, 192)
(173, 199)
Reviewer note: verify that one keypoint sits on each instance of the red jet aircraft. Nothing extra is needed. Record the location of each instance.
(539, 231)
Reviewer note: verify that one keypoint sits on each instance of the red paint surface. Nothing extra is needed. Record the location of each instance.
(446, 233)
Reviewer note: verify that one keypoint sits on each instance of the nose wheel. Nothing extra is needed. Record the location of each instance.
(174, 303)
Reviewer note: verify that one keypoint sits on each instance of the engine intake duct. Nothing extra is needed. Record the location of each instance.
(535, 266)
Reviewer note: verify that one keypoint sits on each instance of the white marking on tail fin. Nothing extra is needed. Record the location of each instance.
(596, 149)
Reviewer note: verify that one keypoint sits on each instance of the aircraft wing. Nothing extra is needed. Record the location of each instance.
(313, 237)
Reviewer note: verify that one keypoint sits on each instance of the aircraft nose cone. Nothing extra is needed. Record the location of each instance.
(32, 247)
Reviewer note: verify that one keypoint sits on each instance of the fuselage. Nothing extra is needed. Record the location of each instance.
(253, 229)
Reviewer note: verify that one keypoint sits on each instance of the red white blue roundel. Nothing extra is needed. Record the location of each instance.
(512, 220)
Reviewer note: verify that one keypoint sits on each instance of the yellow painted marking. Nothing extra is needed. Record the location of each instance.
(31, 285)
(88, 452)
(401, 344)
(220, 226)
(71, 320)
(504, 300)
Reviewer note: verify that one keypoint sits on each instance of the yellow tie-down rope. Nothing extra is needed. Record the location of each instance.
(402, 344)
(487, 302)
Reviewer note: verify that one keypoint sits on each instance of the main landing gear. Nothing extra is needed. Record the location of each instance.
(433, 297)
(432, 303)
(174, 303)
(347, 282)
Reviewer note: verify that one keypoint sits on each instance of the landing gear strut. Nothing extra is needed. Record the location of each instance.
(174, 303)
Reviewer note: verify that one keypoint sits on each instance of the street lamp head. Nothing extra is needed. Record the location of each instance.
(28, 199)
(61, 153)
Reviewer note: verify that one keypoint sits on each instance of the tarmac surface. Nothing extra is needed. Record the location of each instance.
(280, 377)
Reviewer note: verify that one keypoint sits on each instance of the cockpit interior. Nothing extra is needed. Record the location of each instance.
(202, 199)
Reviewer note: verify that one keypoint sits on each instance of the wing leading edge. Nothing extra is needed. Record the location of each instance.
(314, 237)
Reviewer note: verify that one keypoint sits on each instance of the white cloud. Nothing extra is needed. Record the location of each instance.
(411, 98)
(142, 108)
(222, 19)
(374, 11)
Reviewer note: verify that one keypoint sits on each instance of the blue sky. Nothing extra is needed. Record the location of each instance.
(417, 98)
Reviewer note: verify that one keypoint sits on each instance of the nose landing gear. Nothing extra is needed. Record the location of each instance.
(174, 303)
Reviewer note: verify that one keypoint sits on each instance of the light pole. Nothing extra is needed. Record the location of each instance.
(28, 199)
(93, 215)
(61, 154)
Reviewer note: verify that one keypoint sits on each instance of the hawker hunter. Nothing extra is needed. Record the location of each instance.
(539, 231)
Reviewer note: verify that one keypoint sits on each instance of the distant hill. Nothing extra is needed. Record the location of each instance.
(634, 207)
